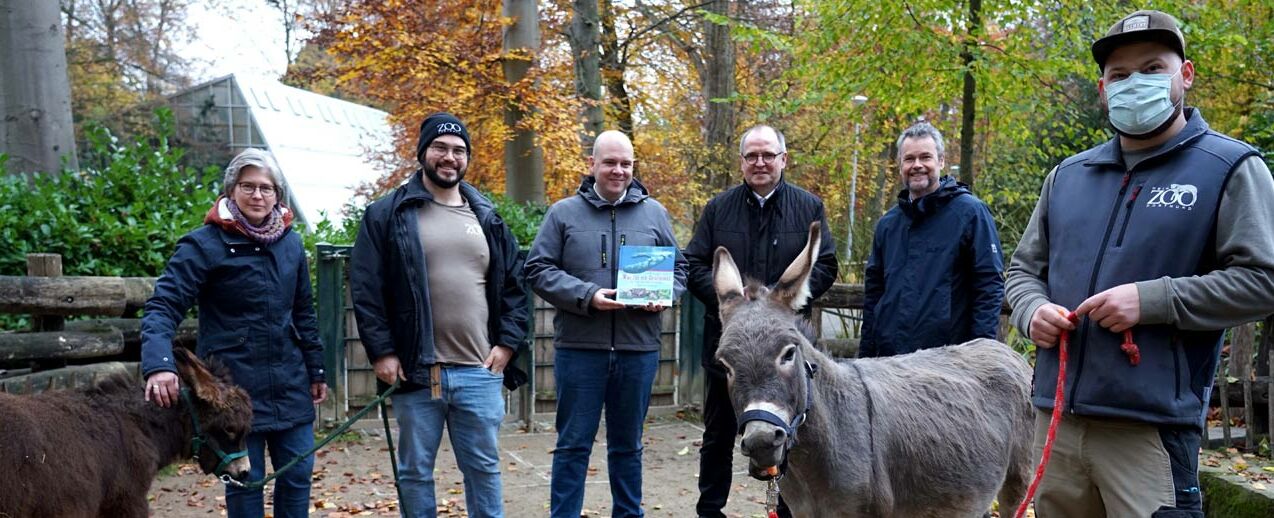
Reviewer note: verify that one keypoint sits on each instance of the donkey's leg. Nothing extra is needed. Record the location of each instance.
(1021, 467)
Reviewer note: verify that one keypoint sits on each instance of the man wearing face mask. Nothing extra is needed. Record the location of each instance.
(1165, 230)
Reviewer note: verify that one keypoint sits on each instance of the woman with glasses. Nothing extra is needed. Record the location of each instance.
(246, 271)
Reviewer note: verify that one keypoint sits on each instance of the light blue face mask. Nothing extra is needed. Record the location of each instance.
(1141, 102)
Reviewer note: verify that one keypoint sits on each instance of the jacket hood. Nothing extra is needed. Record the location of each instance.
(636, 193)
(948, 189)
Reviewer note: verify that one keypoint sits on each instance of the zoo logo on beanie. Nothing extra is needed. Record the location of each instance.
(439, 124)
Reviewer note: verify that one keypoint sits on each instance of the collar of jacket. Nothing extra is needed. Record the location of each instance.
(948, 189)
(637, 193)
(1110, 154)
(414, 192)
(775, 196)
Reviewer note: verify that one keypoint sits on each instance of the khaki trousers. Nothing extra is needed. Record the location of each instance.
(1118, 469)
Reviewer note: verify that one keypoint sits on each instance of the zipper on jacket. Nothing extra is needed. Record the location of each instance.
(1092, 286)
(403, 243)
(603, 250)
(1132, 199)
(614, 282)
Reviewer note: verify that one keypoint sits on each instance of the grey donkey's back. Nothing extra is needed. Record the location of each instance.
(964, 406)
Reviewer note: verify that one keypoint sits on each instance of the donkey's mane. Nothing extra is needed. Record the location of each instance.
(754, 289)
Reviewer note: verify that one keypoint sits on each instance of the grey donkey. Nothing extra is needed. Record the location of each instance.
(935, 433)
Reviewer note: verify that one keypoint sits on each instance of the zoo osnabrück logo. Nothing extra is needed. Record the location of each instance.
(1175, 196)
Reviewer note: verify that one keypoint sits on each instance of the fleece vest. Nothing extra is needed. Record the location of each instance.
(1108, 225)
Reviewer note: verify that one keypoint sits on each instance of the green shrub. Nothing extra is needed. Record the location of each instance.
(121, 214)
(523, 219)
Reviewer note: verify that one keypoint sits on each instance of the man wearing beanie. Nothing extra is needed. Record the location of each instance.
(437, 291)
(1165, 231)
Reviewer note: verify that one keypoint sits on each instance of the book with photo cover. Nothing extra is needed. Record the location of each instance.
(645, 275)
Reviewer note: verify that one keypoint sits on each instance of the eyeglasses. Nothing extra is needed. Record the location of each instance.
(765, 158)
(460, 152)
(247, 189)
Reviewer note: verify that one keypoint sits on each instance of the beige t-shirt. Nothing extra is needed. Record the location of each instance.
(456, 257)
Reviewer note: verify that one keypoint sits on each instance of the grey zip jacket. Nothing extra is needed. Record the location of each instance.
(575, 254)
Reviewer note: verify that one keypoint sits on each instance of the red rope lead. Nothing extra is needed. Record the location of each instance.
(1129, 348)
(1134, 357)
(1058, 398)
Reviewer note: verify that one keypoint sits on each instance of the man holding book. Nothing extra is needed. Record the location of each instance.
(606, 352)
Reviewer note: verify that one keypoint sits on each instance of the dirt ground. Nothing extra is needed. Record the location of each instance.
(353, 478)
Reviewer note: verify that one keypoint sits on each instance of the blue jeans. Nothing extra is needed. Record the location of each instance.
(291, 489)
(587, 382)
(472, 408)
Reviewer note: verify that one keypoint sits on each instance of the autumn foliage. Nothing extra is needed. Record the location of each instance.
(416, 58)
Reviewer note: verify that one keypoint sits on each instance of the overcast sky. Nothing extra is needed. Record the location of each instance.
(242, 36)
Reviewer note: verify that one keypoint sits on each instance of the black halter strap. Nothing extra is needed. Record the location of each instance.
(788, 427)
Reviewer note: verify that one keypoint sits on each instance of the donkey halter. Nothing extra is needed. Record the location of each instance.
(757, 414)
(198, 440)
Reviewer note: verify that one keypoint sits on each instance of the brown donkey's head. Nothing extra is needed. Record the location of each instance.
(221, 413)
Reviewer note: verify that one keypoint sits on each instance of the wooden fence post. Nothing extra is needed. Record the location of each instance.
(45, 265)
(1225, 400)
(1267, 342)
(1242, 343)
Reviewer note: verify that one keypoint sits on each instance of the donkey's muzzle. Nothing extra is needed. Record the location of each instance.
(239, 469)
(764, 445)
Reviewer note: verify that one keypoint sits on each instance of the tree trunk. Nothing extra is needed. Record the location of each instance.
(969, 104)
(614, 64)
(585, 39)
(36, 129)
(718, 85)
(523, 160)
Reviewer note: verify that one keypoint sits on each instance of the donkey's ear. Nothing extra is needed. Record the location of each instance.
(793, 288)
(727, 282)
(197, 376)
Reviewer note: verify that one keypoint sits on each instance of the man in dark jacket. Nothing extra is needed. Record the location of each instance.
(606, 353)
(935, 273)
(764, 224)
(1165, 232)
(437, 239)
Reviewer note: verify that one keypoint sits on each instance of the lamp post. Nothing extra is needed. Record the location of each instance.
(858, 101)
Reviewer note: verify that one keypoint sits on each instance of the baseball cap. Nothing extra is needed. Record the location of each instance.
(1144, 25)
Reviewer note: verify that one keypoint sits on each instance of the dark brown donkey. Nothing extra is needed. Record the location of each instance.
(93, 452)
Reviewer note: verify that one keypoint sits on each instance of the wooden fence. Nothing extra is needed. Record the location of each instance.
(56, 353)
(59, 354)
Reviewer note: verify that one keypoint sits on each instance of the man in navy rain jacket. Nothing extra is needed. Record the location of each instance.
(934, 276)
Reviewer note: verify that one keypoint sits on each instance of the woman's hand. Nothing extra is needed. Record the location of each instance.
(318, 392)
(162, 388)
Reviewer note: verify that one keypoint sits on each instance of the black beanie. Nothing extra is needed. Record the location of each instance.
(436, 125)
